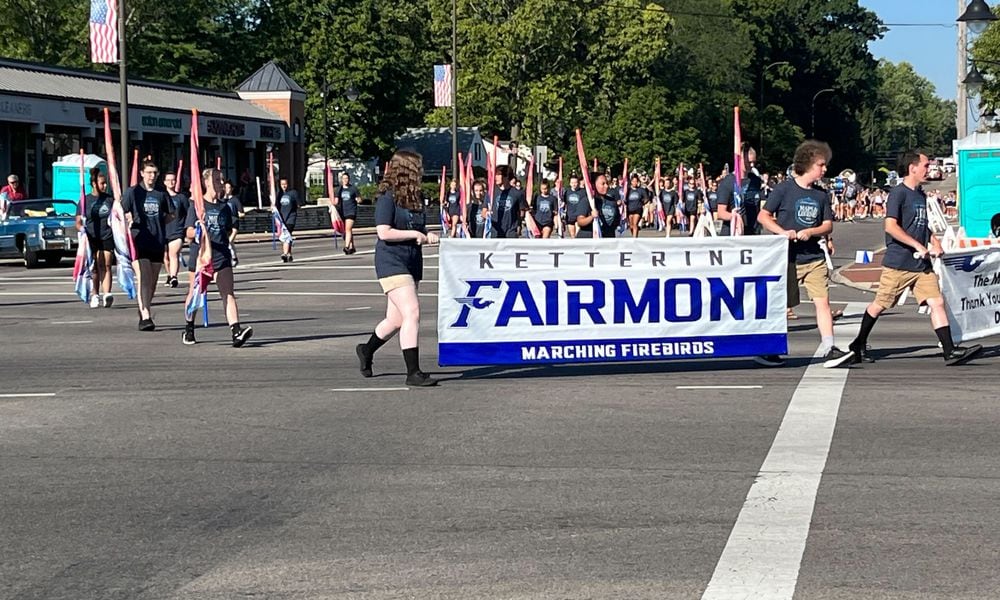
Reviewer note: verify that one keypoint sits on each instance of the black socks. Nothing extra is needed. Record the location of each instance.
(944, 334)
(867, 324)
(235, 327)
(411, 356)
(374, 343)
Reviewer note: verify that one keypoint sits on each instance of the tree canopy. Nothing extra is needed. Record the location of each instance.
(642, 78)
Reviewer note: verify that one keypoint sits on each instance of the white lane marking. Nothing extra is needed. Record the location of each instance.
(320, 267)
(719, 387)
(385, 389)
(26, 282)
(29, 395)
(271, 262)
(359, 308)
(70, 322)
(764, 552)
(293, 281)
(360, 294)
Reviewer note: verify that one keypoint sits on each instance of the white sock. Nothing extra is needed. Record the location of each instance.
(826, 343)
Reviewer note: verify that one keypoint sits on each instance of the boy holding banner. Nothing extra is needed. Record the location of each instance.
(906, 264)
(802, 213)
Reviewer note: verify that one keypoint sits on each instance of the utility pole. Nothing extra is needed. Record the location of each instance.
(961, 97)
(123, 83)
(454, 89)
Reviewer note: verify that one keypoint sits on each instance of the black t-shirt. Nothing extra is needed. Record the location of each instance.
(713, 201)
(507, 209)
(798, 208)
(219, 224)
(909, 208)
(636, 198)
(476, 221)
(288, 206)
(577, 204)
(544, 209)
(691, 197)
(751, 200)
(149, 209)
(97, 210)
(348, 200)
(609, 217)
(181, 206)
(453, 205)
(403, 257)
(668, 198)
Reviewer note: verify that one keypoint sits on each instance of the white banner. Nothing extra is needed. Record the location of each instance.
(520, 301)
(970, 283)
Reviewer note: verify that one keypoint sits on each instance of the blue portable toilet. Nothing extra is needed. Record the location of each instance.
(979, 183)
(66, 175)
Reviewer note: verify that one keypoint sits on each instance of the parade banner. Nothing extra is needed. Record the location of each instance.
(512, 301)
(970, 283)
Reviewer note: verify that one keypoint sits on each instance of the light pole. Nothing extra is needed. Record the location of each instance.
(975, 18)
(760, 106)
(812, 127)
(351, 94)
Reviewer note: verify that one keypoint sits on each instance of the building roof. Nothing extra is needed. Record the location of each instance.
(434, 144)
(270, 78)
(33, 79)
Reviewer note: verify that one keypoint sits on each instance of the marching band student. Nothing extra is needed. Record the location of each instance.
(751, 195)
(478, 212)
(400, 222)
(347, 199)
(606, 211)
(288, 210)
(712, 197)
(692, 196)
(218, 223)
(576, 204)
(147, 213)
(454, 209)
(543, 209)
(236, 206)
(508, 207)
(668, 198)
(802, 213)
(175, 229)
(97, 209)
(906, 263)
(636, 199)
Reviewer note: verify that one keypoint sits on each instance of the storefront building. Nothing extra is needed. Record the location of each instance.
(48, 112)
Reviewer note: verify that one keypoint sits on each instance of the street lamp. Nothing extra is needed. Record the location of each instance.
(974, 81)
(812, 128)
(760, 107)
(352, 95)
(977, 16)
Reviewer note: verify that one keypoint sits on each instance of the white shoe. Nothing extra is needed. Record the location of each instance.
(95, 301)
(108, 300)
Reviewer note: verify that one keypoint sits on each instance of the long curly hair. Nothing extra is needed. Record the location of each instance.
(403, 178)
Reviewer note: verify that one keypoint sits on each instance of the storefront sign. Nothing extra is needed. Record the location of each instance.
(22, 109)
(161, 122)
(270, 132)
(226, 128)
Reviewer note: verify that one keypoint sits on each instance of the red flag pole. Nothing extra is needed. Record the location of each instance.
(116, 187)
(197, 193)
(134, 178)
(180, 176)
(218, 162)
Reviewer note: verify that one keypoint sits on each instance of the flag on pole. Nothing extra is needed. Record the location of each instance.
(442, 85)
(124, 244)
(441, 196)
(134, 176)
(736, 221)
(204, 271)
(531, 227)
(582, 156)
(103, 31)
(335, 220)
(82, 282)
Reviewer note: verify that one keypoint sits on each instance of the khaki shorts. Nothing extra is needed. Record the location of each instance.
(394, 282)
(816, 278)
(893, 281)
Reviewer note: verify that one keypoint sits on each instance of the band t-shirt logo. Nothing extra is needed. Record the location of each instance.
(151, 206)
(608, 213)
(286, 200)
(807, 212)
(544, 205)
(345, 196)
(573, 198)
(797, 208)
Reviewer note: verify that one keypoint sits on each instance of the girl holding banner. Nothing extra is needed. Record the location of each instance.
(401, 224)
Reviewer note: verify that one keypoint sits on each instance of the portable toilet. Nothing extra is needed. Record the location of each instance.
(979, 183)
(66, 175)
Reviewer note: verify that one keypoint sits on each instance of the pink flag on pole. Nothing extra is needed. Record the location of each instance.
(582, 155)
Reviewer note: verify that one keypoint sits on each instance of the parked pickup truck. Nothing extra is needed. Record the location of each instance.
(39, 231)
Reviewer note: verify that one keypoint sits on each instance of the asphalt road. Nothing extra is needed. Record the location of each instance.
(136, 467)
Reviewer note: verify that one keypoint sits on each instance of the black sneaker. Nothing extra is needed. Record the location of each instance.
(961, 355)
(420, 379)
(241, 337)
(769, 360)
(838, 358)
(861, 355)
(172, 282)
(188, 337)
(290, 259)
(146, 325)
(365, 360)
(284, 258)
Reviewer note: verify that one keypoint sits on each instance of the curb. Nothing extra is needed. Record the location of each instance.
(838, 277)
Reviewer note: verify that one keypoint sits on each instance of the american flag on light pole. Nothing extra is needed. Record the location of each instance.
(103, 31)
(442, 85)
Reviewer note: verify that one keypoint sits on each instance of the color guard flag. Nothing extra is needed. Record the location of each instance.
(103, 31)
(442, 85)
(82, 282)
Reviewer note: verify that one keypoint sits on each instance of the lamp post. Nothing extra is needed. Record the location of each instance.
(812, 127)
(760, 106)
(974, 17)
(352, 95)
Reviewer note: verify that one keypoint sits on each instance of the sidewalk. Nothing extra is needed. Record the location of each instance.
(859, 276)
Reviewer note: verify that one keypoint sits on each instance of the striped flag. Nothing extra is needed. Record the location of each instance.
(103, 31)
(442, 85)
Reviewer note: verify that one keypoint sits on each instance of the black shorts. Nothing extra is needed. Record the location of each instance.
(351, 216)
(548, 224)
(98, 245)
(634, 211)
(220, 260)
(690, 210)
(151, 252)
(454, 210)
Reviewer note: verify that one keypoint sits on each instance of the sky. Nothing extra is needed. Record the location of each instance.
(931, 50)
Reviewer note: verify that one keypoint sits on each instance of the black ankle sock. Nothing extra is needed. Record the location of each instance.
(867, 324)
(944, 334)
(189, 325)
(374, 343)
(235, 327)
(411, 356)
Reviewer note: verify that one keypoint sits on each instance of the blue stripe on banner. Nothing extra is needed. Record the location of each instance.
(600, 351)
